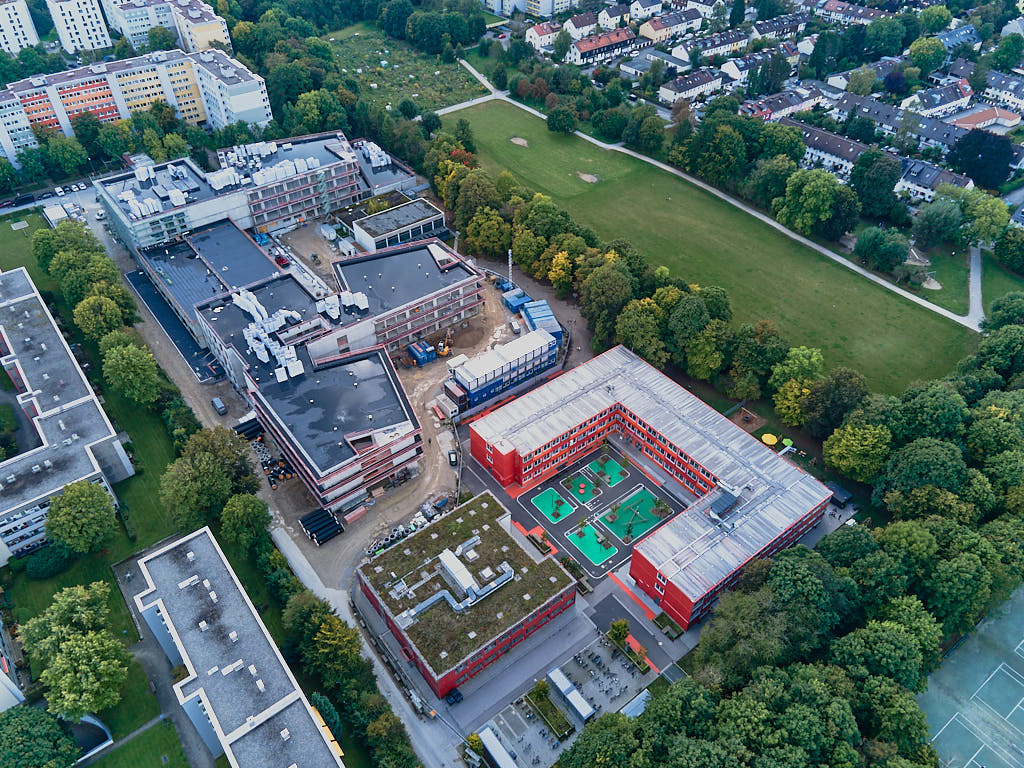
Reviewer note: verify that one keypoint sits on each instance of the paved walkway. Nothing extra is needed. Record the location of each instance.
(971, 320)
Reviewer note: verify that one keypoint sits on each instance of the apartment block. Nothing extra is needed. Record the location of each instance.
(208, 87)
(65, 436)
(193, 21)
(79, 24)
(236, 687)
(16, 28)
(198, 26)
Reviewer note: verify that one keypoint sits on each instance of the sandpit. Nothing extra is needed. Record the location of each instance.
(519, 142)
(588, 177)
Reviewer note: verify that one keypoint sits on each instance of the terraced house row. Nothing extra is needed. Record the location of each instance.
(204, 88)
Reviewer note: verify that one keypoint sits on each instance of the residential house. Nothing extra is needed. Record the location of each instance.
(929, 131)
(613, 16)
(986, 117)
(839, 12)
(780, 27)
(601, 46)
(725, 43)
(581, 25)
(836, 154)
(698, 83)
(1013, 27)
(882, 67)
(740, 67)
(640, 64)
(921, 180)
(704, 7)
(644, 9)
(952, 39)
(540, 9)
(940, 101)
(784, 104)
(1001, 89)
(669, 25)
(543, 35)
(806, 45)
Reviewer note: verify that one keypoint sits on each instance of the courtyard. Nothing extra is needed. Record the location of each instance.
(620, 503)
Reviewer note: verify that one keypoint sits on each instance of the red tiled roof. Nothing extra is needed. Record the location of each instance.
(603, 39)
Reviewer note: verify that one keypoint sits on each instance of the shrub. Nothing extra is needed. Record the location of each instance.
(49, 561)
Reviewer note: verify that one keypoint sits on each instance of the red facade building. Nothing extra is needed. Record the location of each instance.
(744, 499)
(456, 601)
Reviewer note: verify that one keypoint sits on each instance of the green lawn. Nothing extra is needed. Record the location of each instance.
(137, 705)
(952, 270)
(407, 73)
(158, 747)
(997, 280)
(705, 240)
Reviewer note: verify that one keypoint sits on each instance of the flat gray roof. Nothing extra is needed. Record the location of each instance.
(66, 406)
(398, 218)
(693, 550)
(187, 179)
(322, 408)
(403, 275)
(325, 148)
(229, 655)
(208, 262)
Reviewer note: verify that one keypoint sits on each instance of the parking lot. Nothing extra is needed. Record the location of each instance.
(605, 678)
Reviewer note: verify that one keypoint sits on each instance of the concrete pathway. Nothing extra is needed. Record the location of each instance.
(971, 320)
(976, 305)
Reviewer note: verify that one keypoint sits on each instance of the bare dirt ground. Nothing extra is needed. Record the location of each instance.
(747, 420)
(307, 240)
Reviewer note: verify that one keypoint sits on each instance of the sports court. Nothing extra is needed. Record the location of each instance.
(589, 542)
(613, 471)
(632, 518)
(550, 503)
(975, 700)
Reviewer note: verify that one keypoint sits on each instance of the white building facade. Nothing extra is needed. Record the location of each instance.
(16, 28)
(79, 24)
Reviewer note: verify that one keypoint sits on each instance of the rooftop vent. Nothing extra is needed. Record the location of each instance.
(203, 626)
(191, 556)
(261, 686)
(285, 734)
(233, 636)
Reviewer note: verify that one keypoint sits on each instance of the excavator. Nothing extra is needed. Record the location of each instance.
(445, 347)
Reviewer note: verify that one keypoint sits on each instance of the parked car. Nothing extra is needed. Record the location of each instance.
(101, 215)
(59, 191)
(46, 195)
(515, 326)
(282, 260)
(453, 458)
(454, 696)
(24, 199)
(7, 203)
(219, 407)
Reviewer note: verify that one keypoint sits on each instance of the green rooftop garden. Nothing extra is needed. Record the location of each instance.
(443, 636)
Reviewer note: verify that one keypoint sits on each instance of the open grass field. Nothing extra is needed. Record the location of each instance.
(997, 280)
(137, 705)
(705, 240)
(360, 50)
(157, 747)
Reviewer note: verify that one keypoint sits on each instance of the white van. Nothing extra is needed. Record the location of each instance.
(515, 326)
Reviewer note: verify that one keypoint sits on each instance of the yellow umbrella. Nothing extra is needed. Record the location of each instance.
(769, 439)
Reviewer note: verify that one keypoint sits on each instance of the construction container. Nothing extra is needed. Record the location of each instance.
(505, 366)
(515, 299)
(422, 353)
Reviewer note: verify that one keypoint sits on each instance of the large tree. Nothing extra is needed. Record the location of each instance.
(816, 203)
(883, 648)
(638, 326)
(937, 222)
(984, 156)
(86, 674)
(873, 178)
(31, 737)
(831, 398)
(97, 316)
(73, 610)
(244, 520)
(927, 54)
(1009, 249)
(881, 249)
(605, 292)
(926, 461)
(82, 517)
(935, 18)
(132, 371)
(858, 451)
